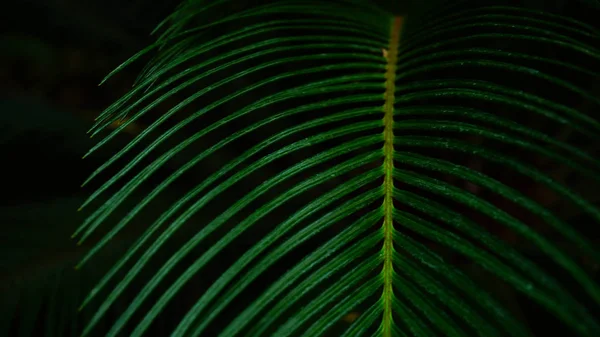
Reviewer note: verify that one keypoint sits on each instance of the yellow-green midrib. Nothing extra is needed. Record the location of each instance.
(388, 184)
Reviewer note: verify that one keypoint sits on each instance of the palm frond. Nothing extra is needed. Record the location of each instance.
(327, 158)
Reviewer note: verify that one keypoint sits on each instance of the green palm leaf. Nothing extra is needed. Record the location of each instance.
(338, 170)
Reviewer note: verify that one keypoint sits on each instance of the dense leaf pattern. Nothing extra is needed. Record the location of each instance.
(362, 151)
